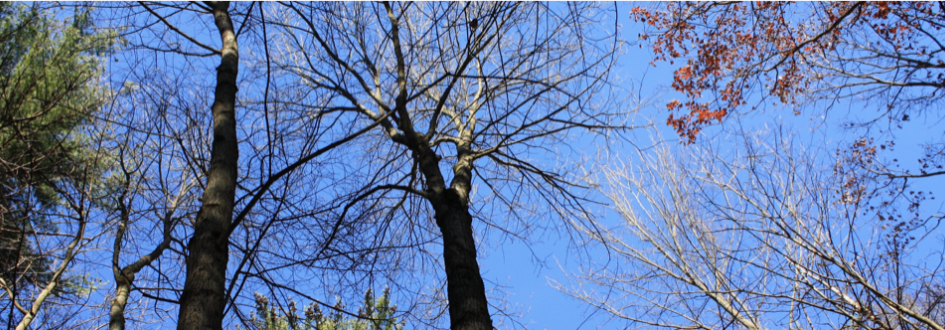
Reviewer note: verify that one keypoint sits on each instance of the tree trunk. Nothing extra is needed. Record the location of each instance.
(466, 292)
(124, 277)
(203, 300)
(469, 309)
(116, 315)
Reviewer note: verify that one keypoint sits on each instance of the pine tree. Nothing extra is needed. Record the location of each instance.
(375, 314)
(48, 90)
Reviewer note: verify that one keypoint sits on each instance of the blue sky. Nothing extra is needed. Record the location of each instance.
(522, 272)
(526, 273)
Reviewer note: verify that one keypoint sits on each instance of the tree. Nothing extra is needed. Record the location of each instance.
(765, 236)
(305, 211)
(466, 95)
(884, 58)
(374, 314)
(203, 299)
(740, 55)
(139, 160)
(49, 162)
(163, 164)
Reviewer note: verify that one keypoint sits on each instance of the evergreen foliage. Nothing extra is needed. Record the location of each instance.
(48, 90)
(374, 314)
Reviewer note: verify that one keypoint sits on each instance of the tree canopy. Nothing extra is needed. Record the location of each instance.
(49, 89)
(211, 165)
(744, 55)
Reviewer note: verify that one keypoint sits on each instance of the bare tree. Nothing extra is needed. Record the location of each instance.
(466, 95)
(166, 150)
(765, 236)
(203, 299)
(341, 173)
(156, 191)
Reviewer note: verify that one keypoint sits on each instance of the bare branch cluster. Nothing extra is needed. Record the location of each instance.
(758, 238)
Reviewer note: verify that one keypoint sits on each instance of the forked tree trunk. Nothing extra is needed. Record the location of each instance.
(203, 300)
(469, 309)
(125, 277)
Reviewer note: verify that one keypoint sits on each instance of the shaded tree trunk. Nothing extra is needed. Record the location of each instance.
(203, 300)
(469, 309)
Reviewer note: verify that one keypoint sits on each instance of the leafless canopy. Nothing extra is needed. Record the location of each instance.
(471, 98)
(763, 237)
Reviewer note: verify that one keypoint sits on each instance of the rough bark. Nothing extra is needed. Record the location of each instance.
(203, 299)
(469, 309)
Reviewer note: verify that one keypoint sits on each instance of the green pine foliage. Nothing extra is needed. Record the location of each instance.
(375, 314)
(49, 88)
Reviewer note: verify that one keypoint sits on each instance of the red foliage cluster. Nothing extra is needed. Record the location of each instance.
(731, 48)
